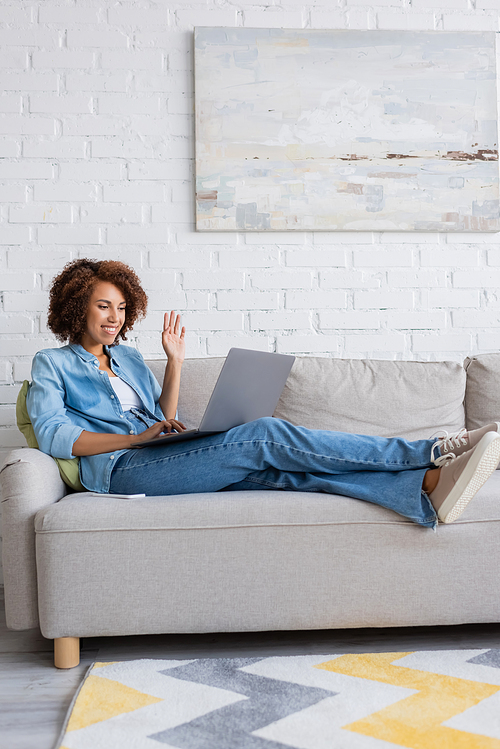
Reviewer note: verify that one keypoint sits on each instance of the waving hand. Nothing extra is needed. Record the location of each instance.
(172, 338)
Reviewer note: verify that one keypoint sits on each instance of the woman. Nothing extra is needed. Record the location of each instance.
(94, 398)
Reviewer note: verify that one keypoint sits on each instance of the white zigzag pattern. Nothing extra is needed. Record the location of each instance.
(183, 701)
(316, 727)
(483, 718)
(320, 726)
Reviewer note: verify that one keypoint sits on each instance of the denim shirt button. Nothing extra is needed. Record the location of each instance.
(111, 457)
(112, 397)
(131, 431)
(122, 416)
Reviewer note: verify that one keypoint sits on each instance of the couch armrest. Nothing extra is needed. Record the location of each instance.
(30, 481)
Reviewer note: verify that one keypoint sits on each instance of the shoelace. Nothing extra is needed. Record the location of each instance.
(447, 443)
(443, 460)
(450, 441)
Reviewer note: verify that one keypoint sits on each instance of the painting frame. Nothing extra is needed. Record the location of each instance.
(344, 130)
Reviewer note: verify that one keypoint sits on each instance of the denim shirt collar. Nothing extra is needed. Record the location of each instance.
(87, 356)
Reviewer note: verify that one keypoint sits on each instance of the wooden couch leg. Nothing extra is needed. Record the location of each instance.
(66, 652)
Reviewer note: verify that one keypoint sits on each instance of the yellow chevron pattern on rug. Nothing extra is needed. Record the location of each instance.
(416, 721)
(439, 699)
(100, 699)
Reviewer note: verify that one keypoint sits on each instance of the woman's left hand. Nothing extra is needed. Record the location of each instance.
(172, 338)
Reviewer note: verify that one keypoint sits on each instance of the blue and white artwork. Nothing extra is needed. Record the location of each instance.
(306, 130)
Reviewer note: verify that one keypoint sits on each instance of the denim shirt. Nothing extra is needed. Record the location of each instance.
(70, 394)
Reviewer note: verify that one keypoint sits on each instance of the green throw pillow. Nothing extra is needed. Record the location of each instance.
(68, 467)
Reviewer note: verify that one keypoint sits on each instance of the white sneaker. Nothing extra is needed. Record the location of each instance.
(461, 478)
(453, 445)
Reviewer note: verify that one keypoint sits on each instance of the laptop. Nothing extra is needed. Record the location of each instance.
(248, 387)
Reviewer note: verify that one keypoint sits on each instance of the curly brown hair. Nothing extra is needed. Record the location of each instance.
(71, 291)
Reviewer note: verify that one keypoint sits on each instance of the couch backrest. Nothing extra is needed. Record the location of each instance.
(482, 397)
(386, 398)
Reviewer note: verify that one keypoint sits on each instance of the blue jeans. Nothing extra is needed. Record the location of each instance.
(272, 454)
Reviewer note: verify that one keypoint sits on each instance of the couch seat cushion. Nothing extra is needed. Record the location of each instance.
(249, 561)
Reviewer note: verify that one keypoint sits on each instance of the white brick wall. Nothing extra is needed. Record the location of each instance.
(96, 125)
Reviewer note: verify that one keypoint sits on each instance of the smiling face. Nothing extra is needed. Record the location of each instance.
(105, 317)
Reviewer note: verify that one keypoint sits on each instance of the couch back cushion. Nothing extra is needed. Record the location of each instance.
(198, 380)
(386, 398)
(482, 395)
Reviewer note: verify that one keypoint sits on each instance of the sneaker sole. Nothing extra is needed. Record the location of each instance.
(477, 472)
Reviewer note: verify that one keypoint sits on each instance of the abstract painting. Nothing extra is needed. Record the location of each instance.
(311, 130)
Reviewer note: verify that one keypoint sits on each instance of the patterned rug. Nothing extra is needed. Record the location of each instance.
(441, 699)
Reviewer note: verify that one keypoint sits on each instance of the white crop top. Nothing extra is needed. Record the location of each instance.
(126, 395)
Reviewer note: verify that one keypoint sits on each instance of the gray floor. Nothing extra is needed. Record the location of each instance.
(34, 696)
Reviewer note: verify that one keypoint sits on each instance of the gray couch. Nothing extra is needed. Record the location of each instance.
(83, 565)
